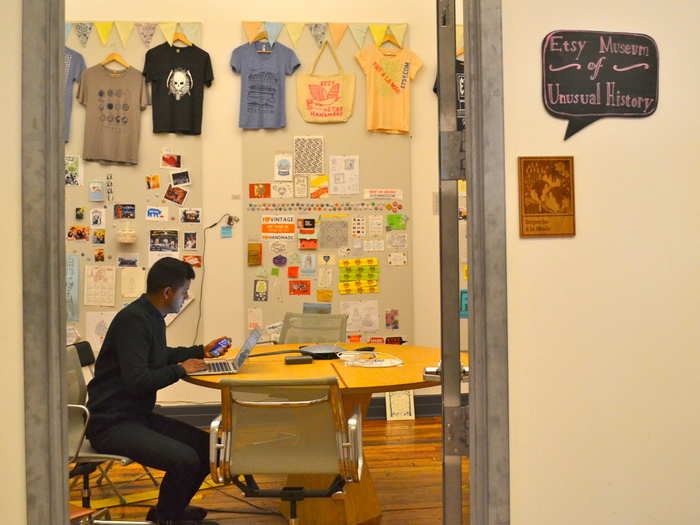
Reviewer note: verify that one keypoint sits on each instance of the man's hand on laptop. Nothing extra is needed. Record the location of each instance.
(192, 366)
(217, 347)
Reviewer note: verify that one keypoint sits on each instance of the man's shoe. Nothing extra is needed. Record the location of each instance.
(191, 512)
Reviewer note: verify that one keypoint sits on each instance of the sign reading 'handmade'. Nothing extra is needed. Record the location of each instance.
(587, 75)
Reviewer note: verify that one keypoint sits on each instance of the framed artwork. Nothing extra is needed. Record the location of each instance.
(546, 195)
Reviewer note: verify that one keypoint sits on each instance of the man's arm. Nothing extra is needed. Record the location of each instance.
(179, 353)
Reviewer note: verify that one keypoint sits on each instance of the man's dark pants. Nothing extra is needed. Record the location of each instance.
(179, 449)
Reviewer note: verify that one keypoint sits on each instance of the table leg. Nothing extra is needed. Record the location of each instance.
(358, 505)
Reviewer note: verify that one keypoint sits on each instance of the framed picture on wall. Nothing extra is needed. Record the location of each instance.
(546, 196)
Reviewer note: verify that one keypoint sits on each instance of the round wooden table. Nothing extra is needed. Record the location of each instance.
(357, 384)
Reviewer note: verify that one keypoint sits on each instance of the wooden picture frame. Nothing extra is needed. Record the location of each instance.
(546, 196)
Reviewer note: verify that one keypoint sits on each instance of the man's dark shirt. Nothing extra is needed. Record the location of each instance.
(132, 365)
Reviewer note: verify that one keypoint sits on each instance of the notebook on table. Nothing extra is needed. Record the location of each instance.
(233, 365)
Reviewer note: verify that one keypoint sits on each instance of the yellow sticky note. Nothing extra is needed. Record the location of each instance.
(324, 296)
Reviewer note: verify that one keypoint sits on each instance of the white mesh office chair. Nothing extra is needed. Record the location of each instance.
(292, 426)
(81, 454)
(313, 328)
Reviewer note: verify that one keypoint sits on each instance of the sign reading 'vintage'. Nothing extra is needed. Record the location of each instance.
(588, 75)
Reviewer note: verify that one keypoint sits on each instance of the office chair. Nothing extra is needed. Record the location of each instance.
(81, 454)
(286, 426)
(313, 328)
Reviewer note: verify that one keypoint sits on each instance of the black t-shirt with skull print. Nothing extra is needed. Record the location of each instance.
(177, 76)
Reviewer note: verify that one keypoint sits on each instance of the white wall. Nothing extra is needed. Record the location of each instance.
(12, 489)
(603, 330)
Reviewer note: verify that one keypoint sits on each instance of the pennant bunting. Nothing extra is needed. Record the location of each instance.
(104, 31)
(295, 29)
(319, 32)
(358, 31)
(124, 30)
(337, 32)
(193, 31)
(146, 33)
(68, 28)
(83, 31)
(251, 29)
(168, 30)
(273, 30)
(378, 31)
(399, 31)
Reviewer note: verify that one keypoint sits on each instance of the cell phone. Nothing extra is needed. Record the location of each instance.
(216, 351)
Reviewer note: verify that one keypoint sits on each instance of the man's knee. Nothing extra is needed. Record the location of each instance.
(187, 461)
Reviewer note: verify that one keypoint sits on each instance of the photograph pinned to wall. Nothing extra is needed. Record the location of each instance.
(194, 260)
(254, 253)
(79, 213)
(283, 167)
(99, 236)
(152, 182)
(99, 255)
(154, 257)
(163, 241)
(96, 191)
(301, 187)
(176, 195)
(255, 318)
(324, 296)
(391, 319)
(78, 233)
(281, 190)
(359, 227)
(191, 215)
(307, 264)
(157, 213)
(259, 190)
(98, 217)
(190, 240)
(99, 285)
(397, 259)
(344, 175)
(96, 326)
(132, 282)
(546, 195)
(299, 287)
(318, 187)
(333, 234)
(308, 155)
(73, 174)
(124, 211)
(260, 290)
(127, 260)
(169, 160)
(180, 178)
(398, 240)
(316, 308)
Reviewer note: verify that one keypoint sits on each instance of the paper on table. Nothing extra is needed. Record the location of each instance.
(100, 284)
(132, 282)
(96, 325)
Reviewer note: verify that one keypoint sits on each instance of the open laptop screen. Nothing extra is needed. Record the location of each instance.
(245, 350)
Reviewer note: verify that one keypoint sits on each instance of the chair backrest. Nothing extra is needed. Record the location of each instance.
(85, 353)
(76, 392)
(313, 328)
(293, 426)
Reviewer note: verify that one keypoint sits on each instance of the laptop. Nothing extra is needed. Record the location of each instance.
(233, 365)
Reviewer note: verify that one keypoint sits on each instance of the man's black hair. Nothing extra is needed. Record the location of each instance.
(168, 271)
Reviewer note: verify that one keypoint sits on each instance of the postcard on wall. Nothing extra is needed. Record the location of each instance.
(318, 186)
(99, 236)
(127, 260)
(72, 288)
(259, 190)
(397, 259)
(78, 233)
(98, 217)
(301, 287)
(96, 326)
(190, 240)
(124, 211)
(99, 255)
(344, 174)
(169, 160)
(399, 405)
(132, 282)
(260, 290)
(191, 215)
(282, 190)
(308, 155)
(180, 178)
(176, 194)
(157, 213)
(96, 191)
(283, 170)
(301, 187)
(152, 182)
(163, 241)
(100, 284)
(546, 195)
(254, 253)
(73, 174)
(193, 260)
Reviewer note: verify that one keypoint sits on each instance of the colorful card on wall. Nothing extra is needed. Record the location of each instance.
(260, 290)
(157, 213)
(260, 190)
(152, 182)
(170, 160)
(359, 227)
(278, 227)
(124, 211)
(324, 296)
(194, 260)
(191, 215)
(175, 194)
(163, 241)
(283, 169)
(96, 191)
(72, 171)
(464, 304)
(308, 264)
(395, 221)
(299, 287)
(391, 319)
(292, 271)
(318, 187)
(99, 236)
(254, 253)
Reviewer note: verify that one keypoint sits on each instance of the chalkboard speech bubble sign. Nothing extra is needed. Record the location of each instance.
(588, 75)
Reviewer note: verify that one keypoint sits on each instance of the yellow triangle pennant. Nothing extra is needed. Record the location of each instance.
(251, 29)
(168, 30)
(459, 37)
(104, 30)
(193, 31)
(295, 30)
(399, 31)
(124, 29)
(337, 32)
(378, 31)
(358, 31)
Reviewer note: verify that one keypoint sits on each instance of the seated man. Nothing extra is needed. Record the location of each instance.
(133, 364)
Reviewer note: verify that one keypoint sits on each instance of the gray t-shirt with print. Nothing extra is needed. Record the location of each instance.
(262, 83)
(113, 103)
(74, 64)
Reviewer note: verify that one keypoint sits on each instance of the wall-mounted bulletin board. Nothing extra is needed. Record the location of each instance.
(120, 218)
(328, 207)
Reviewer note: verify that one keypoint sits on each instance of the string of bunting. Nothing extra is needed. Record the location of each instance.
(324, 206)
(145, 30)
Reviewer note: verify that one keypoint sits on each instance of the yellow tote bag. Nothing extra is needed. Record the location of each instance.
(324, 99)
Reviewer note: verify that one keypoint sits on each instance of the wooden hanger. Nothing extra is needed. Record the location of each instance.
(115, 57)
(460, 51)
(262, 35)
(182, 38)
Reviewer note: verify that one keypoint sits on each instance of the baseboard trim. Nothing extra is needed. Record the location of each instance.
(201, 415)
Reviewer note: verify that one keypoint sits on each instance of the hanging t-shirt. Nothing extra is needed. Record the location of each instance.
(389, 73)
(262, 83)
(74, 65)
(459, 94)
(178, 76)
(113, 102)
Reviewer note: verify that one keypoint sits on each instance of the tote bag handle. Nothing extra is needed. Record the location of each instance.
(335, 57)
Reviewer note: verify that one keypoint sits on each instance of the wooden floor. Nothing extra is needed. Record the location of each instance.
(404, 459)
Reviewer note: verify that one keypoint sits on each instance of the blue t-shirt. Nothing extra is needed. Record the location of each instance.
(262, 83)
(74, 65)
